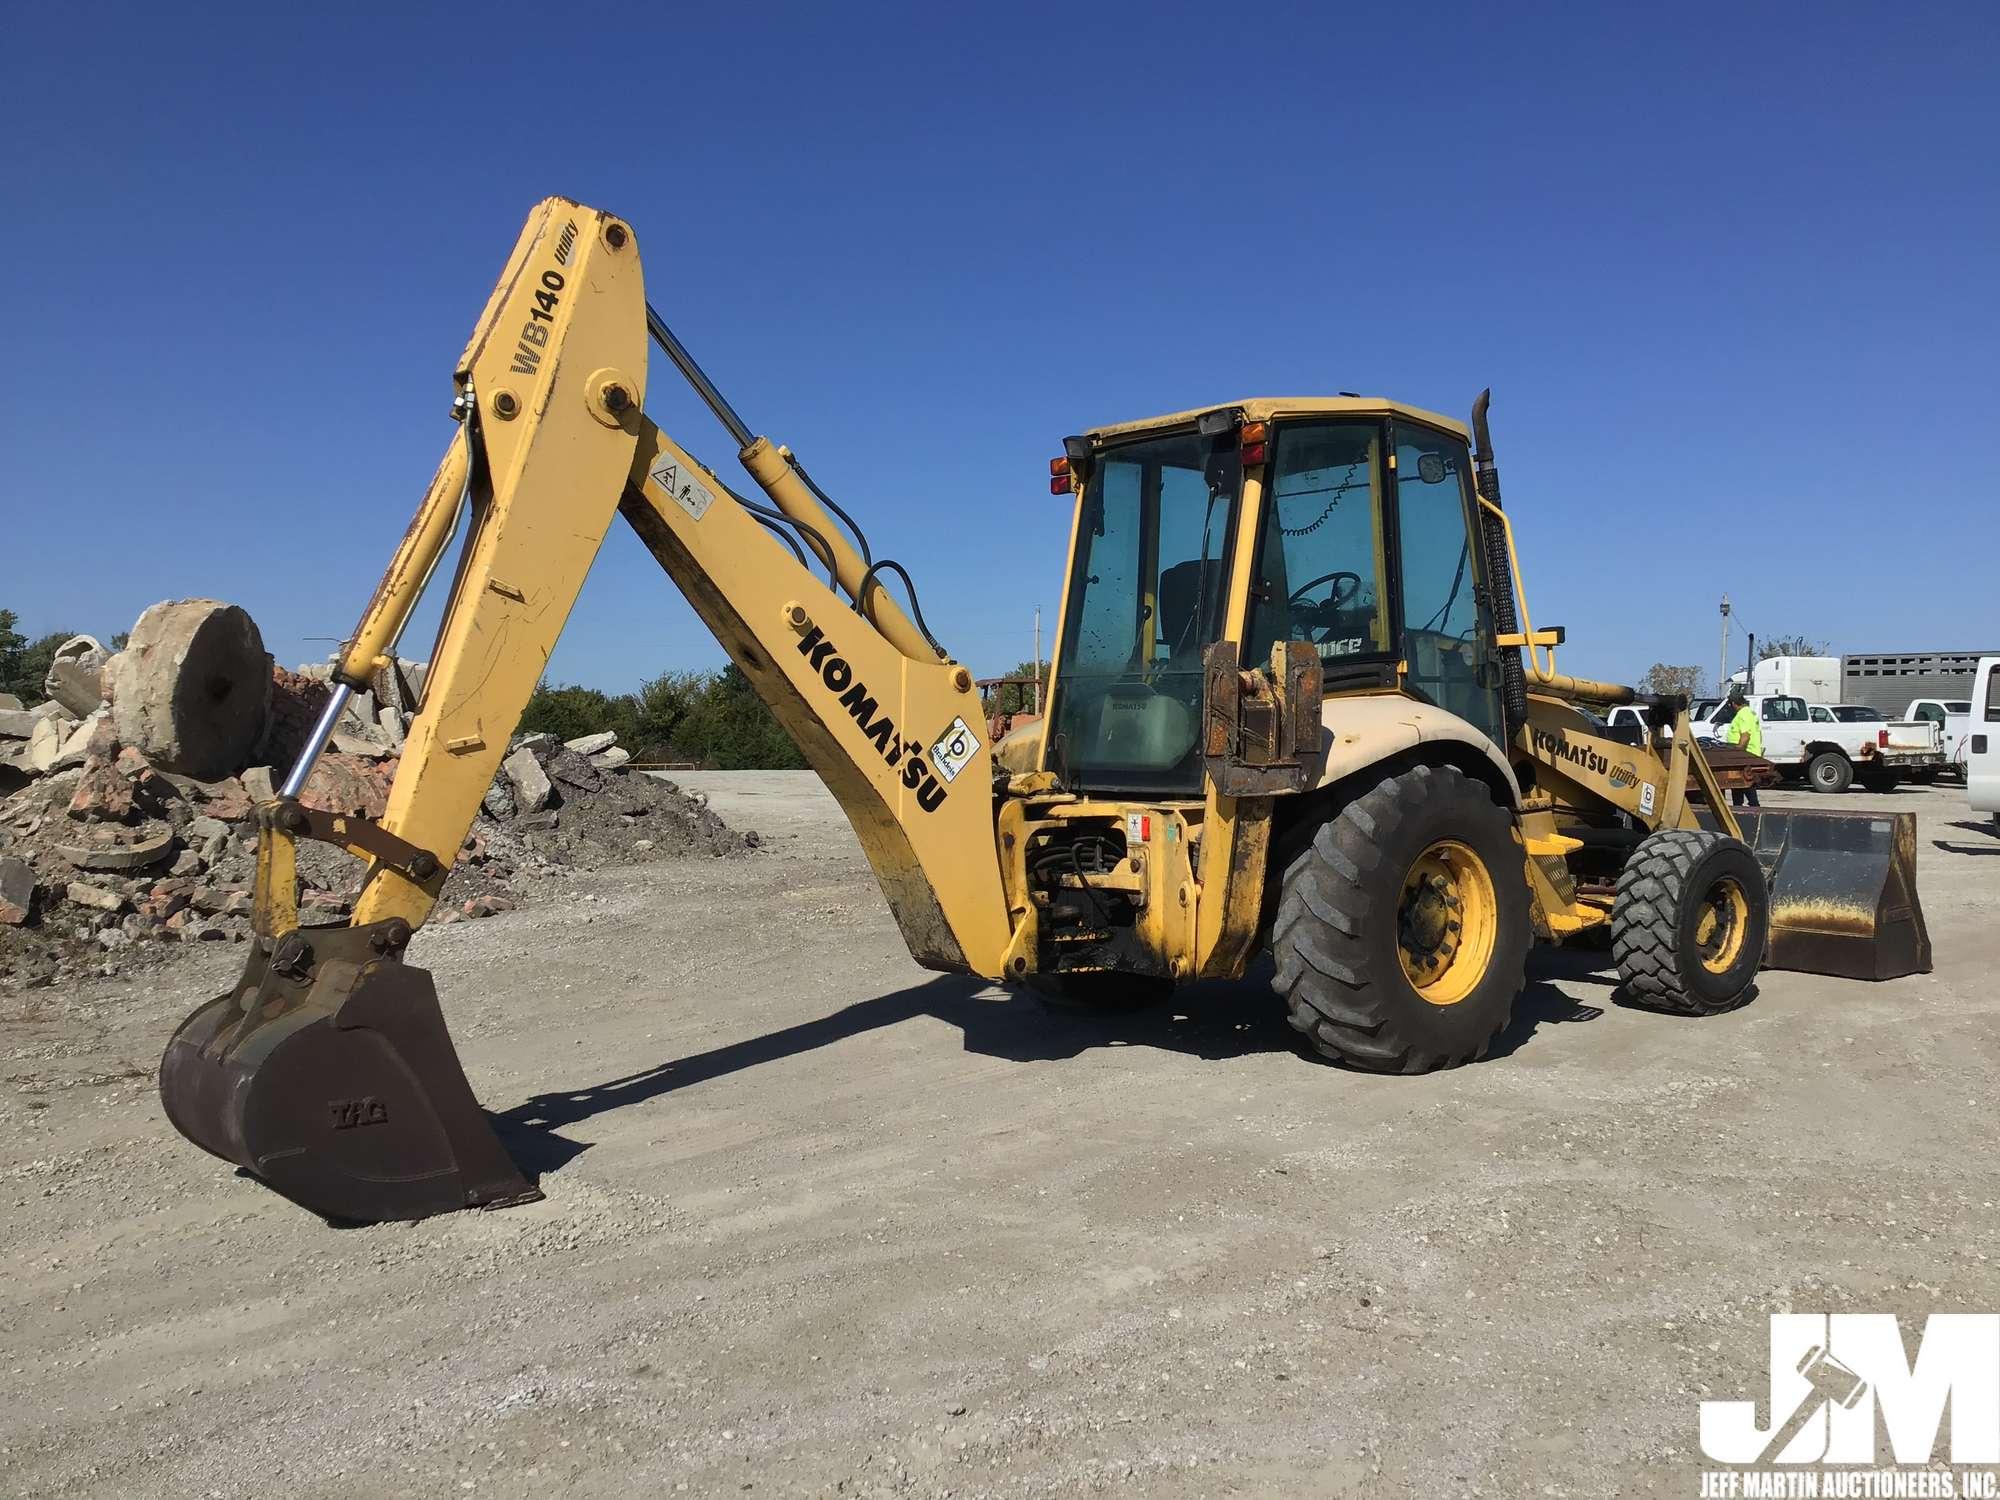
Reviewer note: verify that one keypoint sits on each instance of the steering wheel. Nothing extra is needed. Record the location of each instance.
(1343, 587)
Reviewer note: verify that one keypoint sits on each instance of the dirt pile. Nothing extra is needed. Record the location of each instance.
(106, 855)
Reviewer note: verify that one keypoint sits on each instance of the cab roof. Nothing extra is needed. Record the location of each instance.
(1272, 408)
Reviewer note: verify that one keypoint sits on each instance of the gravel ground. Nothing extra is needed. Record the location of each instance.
(819, 1222)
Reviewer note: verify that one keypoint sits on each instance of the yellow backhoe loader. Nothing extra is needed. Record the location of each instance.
(1289, 710)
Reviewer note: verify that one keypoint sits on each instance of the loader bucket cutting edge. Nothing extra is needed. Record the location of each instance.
(1843, 891)
(339, 1089)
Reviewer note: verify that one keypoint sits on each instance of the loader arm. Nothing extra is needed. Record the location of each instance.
(327, 1070)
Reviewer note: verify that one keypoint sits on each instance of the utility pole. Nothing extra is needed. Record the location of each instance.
(1038, 658)
(1722, 670)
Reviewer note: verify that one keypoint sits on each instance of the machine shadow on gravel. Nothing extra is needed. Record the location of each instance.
(1989, 842)
(1581, 964)
(1213, 1021)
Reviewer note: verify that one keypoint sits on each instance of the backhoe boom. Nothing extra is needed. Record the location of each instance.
(553, 442)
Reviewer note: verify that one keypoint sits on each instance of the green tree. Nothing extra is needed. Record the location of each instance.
(567, 712)
(728, 727)
(1667, 681)
(12, 643)
(711, 718)
(663, 706)
(24, 664)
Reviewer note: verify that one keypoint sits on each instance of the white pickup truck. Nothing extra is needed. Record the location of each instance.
(1953, 717)
(1832, 755)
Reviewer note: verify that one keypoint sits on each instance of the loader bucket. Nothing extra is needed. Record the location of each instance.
(328, 1074)
(1843, 891)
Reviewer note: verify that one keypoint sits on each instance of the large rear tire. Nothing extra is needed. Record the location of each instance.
(1401, 938)
(1691, 921)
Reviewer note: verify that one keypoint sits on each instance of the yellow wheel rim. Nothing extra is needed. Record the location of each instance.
(1446, 922)
(1719, 926)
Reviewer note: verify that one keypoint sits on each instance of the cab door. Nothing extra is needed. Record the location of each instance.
(1446, 630)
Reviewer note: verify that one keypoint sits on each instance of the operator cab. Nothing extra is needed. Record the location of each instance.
(1345, 522)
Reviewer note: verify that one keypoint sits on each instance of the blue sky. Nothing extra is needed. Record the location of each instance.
(1729, 269)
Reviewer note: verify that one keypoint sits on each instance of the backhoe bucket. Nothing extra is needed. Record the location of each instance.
(1843, 891)
(328, 1074)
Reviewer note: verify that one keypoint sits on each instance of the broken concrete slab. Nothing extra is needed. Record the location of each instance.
(391, 720)
(367, 747)
(573, 771)
(76, 749)
(227, 799)
(76, 676)
(348, 785)
(46, 743)
(592, 744)
(17, 891)
(215, 901)
(530, 781)
(96, 897)
(612, 759)
(360, 712)
(260, 784)
(121, 858)
(9, 703)
(19, 723)
(191, 691)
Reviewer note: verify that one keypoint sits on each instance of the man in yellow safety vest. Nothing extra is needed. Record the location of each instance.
(1746, 732)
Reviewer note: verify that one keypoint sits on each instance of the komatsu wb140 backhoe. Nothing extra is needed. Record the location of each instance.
(1289, 711)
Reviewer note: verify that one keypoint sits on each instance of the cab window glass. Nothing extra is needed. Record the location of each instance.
(1320, 566)
(1784, 710)
(1145, 597)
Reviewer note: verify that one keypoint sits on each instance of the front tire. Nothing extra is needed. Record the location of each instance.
(1402, 933)
(1830, 771)
(1691, 921)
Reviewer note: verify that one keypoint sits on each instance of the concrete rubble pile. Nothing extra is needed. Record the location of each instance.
(128, 797)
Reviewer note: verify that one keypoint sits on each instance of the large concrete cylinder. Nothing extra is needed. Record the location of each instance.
(191, 691)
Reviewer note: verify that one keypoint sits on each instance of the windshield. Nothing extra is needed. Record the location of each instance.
(1144, 599)
(1854, 713)
(1958, 705)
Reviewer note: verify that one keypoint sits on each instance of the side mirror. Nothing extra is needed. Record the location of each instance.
(1430, 468)
(1261, 726)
